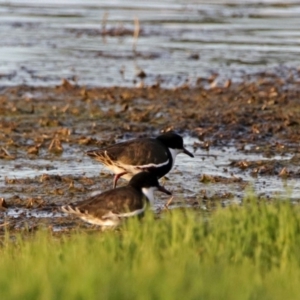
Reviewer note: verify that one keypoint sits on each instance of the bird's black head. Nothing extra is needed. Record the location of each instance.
(174, 141)
(146, 180)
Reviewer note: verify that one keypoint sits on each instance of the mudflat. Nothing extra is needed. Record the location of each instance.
(243, 135)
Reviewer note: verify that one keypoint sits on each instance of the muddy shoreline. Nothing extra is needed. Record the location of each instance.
(42, 128)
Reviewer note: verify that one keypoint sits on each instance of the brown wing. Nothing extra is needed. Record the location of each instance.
(120, 200)
(136, 152)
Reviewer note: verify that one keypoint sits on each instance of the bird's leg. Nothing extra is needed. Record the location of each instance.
(116, 178)
(169, 202)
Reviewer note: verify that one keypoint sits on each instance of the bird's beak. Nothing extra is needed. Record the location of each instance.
(162, 189)
(188, 152)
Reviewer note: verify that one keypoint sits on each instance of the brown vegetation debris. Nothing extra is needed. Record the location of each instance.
(4, 154)
(47, 177)
(34, 202)
(219, 179)
(3, 204)
(284, 172)
(65, 84)
(87, 140)
(56, 146)
(34, 149)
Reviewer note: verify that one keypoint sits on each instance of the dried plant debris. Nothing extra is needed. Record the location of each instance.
(41, 127)
(4, 154)
(281, 168)
(56, 146)
(219, 179)
(3, 204)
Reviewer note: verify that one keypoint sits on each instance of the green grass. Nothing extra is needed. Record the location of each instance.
(249, 252)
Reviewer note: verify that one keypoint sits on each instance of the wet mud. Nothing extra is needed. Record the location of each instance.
(244, 137)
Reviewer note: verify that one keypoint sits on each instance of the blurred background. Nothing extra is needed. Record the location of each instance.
(107, 43)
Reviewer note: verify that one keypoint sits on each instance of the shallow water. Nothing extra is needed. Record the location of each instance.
(179, 41)
(183, 180)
